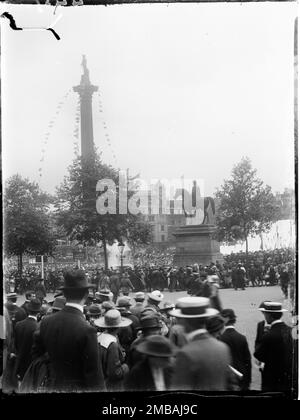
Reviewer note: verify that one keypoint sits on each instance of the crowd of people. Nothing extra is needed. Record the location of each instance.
(94, 337)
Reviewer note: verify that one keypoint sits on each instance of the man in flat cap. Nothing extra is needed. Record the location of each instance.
(70, 341)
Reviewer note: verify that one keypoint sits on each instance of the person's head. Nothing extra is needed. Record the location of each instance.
(215, 326)
(112, 321)
(34, 307)
(76, 286)
(150, 324)
(124, 302)
(228, 316)
(94, 311)
(139, 297)
(155, 297)
(11, 297)
(29, 295)
(194, 312)
(272, 311)
(158, 350)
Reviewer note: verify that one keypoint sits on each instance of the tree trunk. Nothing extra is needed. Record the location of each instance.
(104, 250)
(247, 262)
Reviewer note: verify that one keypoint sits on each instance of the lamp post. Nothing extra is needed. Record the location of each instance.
(121, 247)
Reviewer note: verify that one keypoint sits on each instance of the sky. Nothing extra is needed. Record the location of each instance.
(186, 89)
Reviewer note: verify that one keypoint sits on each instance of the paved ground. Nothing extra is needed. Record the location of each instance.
(245, 304)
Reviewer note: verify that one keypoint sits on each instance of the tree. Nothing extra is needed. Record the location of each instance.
(76, 208)
(26, 219)
(246, 207)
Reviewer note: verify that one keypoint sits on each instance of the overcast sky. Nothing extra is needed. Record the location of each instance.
(186, 89)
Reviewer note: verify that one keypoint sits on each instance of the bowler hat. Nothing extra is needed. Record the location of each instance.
(156, 295)
(193, 307)
(94, 310)
(59, 303)
(34, 305)
(112, 319)
(75, 279)
(228, 313)
(156, 345)
(214, 324)
(274, 307)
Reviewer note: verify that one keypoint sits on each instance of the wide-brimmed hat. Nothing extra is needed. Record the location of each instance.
(139, 296)
(59, 303)
(193, 307)
(104, 292)
(112, 319)
(214, 324)
(123, 302)
(156, 295)
(34, 305)
(274, 307)
(94, 310)
(157, 346)
(75, 279)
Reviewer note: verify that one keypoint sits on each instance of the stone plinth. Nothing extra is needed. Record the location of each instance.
(195, 244)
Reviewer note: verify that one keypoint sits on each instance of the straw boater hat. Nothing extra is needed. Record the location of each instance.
(156, 295)
(157, 346)
(274, 307)
(112, 319)
(193, 307)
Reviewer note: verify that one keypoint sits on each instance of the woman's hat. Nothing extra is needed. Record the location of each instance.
(193, 307)
(157, 346)
(272, 307)
(156, 295)
(75, 279)
(112, 319)
(34, 305)
(94, 310)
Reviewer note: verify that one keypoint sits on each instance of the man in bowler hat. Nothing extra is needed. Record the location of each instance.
(70, 341)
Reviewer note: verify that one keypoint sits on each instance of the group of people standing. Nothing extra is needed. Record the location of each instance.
(93, 342)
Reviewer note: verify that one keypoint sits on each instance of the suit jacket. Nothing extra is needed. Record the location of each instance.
(140, 377)
(240, 353)
(23, 342)
(71, 343)
(202, 365)
(260, 332)
(276, 352)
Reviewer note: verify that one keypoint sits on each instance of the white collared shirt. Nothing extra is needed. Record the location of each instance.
(229, 326)
(75, 305)
(192, 334)
(33, 317)
(277, 321)
(158, 377)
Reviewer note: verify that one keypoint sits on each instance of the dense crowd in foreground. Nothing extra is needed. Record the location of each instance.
(89, 340)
